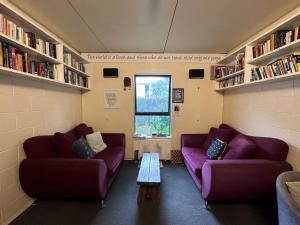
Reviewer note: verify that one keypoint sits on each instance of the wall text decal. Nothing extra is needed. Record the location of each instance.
(148, 57)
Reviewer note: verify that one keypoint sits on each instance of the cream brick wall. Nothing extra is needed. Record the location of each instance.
(28, 108)
(271, 109)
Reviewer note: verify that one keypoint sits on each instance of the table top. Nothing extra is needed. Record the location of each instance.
(149, 173)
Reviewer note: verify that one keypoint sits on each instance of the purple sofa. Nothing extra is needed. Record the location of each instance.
(249, 177)
(45, 175)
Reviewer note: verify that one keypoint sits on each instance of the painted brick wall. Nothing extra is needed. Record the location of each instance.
(28, 108)
(271, 109)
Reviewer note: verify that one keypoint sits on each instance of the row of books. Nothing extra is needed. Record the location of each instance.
(282, 66)
(72, 77)
(68, 59)
(18, 33)
(13, 58)
(232, 81)
(276, 40)
(220, 70)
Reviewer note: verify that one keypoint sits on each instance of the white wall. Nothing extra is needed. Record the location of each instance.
(271, 110)
(28, 108)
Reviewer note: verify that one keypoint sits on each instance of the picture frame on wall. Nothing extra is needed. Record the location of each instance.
(111, 99)
(178, 95)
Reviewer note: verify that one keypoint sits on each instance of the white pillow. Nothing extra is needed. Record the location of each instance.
(294, 189)
(95, 141)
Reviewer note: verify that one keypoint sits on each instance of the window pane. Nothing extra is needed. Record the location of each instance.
(152, 94)
(147, 125)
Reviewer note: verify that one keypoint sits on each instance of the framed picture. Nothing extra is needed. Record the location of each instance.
(111, 99)
(178, 95)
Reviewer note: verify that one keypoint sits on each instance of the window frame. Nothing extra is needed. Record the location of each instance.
(168, 113)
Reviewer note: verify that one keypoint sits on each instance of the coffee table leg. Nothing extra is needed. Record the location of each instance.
(142, 194)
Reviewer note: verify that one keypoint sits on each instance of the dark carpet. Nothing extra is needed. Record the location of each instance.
(181, 204)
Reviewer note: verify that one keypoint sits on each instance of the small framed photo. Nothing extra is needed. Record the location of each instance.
(178, 95)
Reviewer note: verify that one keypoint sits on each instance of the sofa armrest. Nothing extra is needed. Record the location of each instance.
(52, 178)
(192, 140)
(238, 180)
(114, 139)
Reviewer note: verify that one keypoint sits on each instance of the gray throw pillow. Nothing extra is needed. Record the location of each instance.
(82, 149)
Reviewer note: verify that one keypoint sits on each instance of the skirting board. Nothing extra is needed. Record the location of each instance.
(18, 212)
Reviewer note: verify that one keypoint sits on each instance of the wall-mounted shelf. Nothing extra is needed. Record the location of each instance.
(76, 70)
(28, 49)
(231, 75)
(280, 78)
(289, 48)
(29, 76)
(263, 42)
(36, 58)
(231, 56)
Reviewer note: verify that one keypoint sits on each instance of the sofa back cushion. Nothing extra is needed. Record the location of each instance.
(83, 131)
(63, 144)
(39, 147)
(240, 147)
(222, 134)
(266, 147)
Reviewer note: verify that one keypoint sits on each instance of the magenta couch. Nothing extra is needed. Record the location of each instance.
(44, 175)
(235, 179)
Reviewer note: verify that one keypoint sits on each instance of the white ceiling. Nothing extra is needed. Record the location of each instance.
(171, 26)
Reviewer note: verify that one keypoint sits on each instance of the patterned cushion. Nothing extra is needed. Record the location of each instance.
(216, 149)
(82, 149)
(222, 134)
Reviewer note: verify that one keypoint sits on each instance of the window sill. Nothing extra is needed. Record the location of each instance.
(151, 137)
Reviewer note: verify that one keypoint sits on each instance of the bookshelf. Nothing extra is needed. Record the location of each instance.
(271, 56)
(230, 70)
(29, 51)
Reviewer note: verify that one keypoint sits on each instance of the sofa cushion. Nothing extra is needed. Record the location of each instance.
(82, 149)
(222, 134)
(112, 156)
(63, 144)
(216, 149)
(240, 147)
(96, 142)
(195, 157)
(83, 131)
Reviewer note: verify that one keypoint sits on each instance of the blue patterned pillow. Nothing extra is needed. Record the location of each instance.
(216, 149)
(82, 149)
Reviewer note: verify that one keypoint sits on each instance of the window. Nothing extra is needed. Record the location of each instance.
(152, 105)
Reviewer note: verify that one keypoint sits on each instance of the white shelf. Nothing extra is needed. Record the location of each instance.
(76, 70)
(75, 55)
(231, 75)
(283, 50)
(231, 56)
(28, 49)
(288, 76)
(286, 24)
(29, 76)
(231, 87)
(26, 22)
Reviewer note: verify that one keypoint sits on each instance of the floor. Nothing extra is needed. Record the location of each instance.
(181, 204)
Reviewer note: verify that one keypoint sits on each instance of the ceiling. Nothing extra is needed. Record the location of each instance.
(156, 26)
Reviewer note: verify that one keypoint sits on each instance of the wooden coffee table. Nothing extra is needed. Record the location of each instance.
(149, 178)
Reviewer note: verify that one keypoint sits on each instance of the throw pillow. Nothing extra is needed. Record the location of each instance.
(82, 149)
(240, 147)
(63, 144)
(294, 189)
(216, 149)
(222, 134)
(83, 131)
(96, 142)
